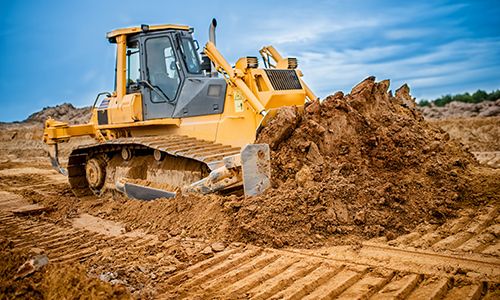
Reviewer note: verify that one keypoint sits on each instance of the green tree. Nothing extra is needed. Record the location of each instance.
(476, 97)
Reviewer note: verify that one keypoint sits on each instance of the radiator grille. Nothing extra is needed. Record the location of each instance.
(284, 79)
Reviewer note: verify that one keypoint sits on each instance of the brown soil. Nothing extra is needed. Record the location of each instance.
(477, 134)
(51, 281)
(351, 168)
(366, 163)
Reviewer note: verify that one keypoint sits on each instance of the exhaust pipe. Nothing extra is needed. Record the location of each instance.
(211, 31)
(211, 38)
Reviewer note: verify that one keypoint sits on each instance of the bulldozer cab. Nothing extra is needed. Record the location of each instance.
(163, 65)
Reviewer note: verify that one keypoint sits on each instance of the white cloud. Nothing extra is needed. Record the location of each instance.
(445, 66)
(291, 31)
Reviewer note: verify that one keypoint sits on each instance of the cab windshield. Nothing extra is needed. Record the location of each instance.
(190, 56)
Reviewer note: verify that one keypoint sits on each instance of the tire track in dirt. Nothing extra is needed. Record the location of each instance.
(262, 273)
(476, 232)
(60, 243)
(257, 273)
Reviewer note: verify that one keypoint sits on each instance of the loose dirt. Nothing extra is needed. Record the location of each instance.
(365, 163)
(386, 204)
(481, 136)
(68, 281)
(476, 134)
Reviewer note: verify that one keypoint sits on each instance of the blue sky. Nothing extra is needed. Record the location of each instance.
(55, 51)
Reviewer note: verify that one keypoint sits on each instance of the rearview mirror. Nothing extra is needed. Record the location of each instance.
(205, 63)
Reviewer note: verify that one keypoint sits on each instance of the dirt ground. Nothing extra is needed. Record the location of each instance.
(478, 135)
(433, 245)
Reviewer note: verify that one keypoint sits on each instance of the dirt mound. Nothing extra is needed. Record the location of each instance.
(462, 110)
(64, 112)
(364, 163)
(351, 167)
(478, 134)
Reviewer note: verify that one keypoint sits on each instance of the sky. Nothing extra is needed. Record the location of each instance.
(55, 51)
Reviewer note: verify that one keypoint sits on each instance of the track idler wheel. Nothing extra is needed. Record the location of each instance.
(95, 172)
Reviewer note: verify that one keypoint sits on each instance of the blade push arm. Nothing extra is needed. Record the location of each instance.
(234, 77)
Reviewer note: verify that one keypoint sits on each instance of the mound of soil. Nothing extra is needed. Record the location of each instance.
(365, 163)
(348, 168)
(24, 139)
(65, 112)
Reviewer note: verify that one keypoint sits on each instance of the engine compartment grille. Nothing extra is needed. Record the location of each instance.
(283, 79)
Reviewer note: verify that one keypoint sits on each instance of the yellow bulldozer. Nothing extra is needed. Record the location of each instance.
(178, 120)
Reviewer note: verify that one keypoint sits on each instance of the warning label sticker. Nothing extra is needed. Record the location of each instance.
(238, 101)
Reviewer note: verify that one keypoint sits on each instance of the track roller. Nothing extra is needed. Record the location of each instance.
(95, 173)
(126, 153)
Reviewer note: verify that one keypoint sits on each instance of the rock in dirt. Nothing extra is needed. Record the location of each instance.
(218, 247)
(31, 209)
(207, 250)
(279, 131)
(32, 265)
(303, 175)
(107, 276)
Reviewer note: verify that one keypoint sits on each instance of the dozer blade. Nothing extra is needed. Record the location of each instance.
(142, 192)
(255, 160)
(253, 165)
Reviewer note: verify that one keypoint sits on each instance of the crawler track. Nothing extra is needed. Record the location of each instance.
(206, 153)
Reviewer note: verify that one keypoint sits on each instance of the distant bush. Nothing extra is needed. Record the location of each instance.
(478, 96)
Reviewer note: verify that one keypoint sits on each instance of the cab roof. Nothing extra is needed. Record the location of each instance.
(144, 28)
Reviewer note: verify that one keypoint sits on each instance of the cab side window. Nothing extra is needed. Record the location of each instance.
(133, 66)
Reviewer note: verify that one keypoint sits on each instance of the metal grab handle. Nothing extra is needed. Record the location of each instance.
(99, 95)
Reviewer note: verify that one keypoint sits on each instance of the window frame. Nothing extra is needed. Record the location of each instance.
(138, 53)
(146, 69)
(183, 52)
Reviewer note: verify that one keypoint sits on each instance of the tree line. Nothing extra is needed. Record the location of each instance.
(476, 97)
